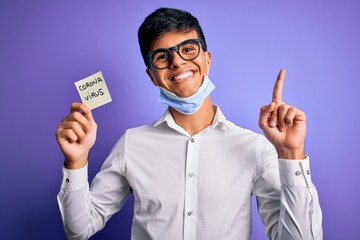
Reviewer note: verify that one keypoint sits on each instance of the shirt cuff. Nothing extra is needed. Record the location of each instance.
(74, 180)
(295, 173)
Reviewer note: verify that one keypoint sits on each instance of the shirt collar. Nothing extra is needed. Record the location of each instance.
(219, 120)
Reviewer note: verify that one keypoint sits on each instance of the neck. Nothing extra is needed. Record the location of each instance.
(198, 121)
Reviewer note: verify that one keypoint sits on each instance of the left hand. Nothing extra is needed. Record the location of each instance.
(283, 125)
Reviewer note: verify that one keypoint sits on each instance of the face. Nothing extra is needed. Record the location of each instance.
(182, 77)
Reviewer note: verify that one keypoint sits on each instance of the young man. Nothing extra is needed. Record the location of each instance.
(192, 172)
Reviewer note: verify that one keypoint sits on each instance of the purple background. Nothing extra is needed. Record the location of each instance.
(46, 47)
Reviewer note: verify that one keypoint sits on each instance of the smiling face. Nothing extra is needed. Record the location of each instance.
(182, 77)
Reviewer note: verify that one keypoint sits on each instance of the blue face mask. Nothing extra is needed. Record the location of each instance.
(188, 105)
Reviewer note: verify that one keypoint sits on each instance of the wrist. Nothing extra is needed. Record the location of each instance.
(72, 165)
(296, 154)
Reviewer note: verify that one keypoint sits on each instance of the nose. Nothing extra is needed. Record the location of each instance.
(177, 60)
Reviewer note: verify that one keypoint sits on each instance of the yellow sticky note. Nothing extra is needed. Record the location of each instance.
(93, 90)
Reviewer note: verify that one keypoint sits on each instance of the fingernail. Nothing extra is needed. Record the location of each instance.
(90, 130)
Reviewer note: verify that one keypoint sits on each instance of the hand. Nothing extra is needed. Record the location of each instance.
(76, 134)
(283, 125)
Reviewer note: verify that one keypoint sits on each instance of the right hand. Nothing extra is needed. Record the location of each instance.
(76, 134)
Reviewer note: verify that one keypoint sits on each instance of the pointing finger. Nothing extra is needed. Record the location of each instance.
(277, 92)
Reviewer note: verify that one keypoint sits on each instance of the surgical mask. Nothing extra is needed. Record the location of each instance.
(188, 105)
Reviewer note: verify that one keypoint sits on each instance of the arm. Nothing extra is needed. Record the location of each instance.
(287, 199)
(299, 214)
(85, 211)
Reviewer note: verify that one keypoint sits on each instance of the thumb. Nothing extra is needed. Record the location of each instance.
(265, 114)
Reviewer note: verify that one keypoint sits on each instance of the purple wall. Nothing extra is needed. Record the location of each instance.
(46, 47)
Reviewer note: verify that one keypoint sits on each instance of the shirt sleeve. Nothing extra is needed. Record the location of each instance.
(287, 199)
(73, 200)
(300, 206)
(74, 180)
(84, 209)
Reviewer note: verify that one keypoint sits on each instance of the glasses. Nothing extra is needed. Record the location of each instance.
(188, 50)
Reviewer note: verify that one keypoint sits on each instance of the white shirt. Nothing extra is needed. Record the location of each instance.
(194, 187)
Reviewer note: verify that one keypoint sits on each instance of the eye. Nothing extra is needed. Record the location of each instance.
(160, 57)
(189, 48)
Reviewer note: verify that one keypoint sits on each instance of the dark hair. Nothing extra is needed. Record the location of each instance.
(165, 20)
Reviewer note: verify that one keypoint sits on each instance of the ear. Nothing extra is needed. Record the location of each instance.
(208, 61)
(151, 76)
(208, 57)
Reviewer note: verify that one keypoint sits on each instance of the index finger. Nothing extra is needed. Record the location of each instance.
(277, 92)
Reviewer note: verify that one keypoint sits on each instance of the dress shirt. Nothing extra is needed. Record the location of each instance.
(194, 187)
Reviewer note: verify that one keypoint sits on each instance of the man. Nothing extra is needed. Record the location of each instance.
(192, 172)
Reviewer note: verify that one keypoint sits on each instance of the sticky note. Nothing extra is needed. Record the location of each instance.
(93, 90)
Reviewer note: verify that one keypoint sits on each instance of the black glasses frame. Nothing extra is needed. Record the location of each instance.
(170, 50)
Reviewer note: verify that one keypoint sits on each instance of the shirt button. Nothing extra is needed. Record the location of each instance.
(308, 172)
(190, 213)
(192, 140)
(67, 180)
(191, 175)
(297, 173)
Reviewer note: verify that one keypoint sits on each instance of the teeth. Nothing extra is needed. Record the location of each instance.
(183, 75)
